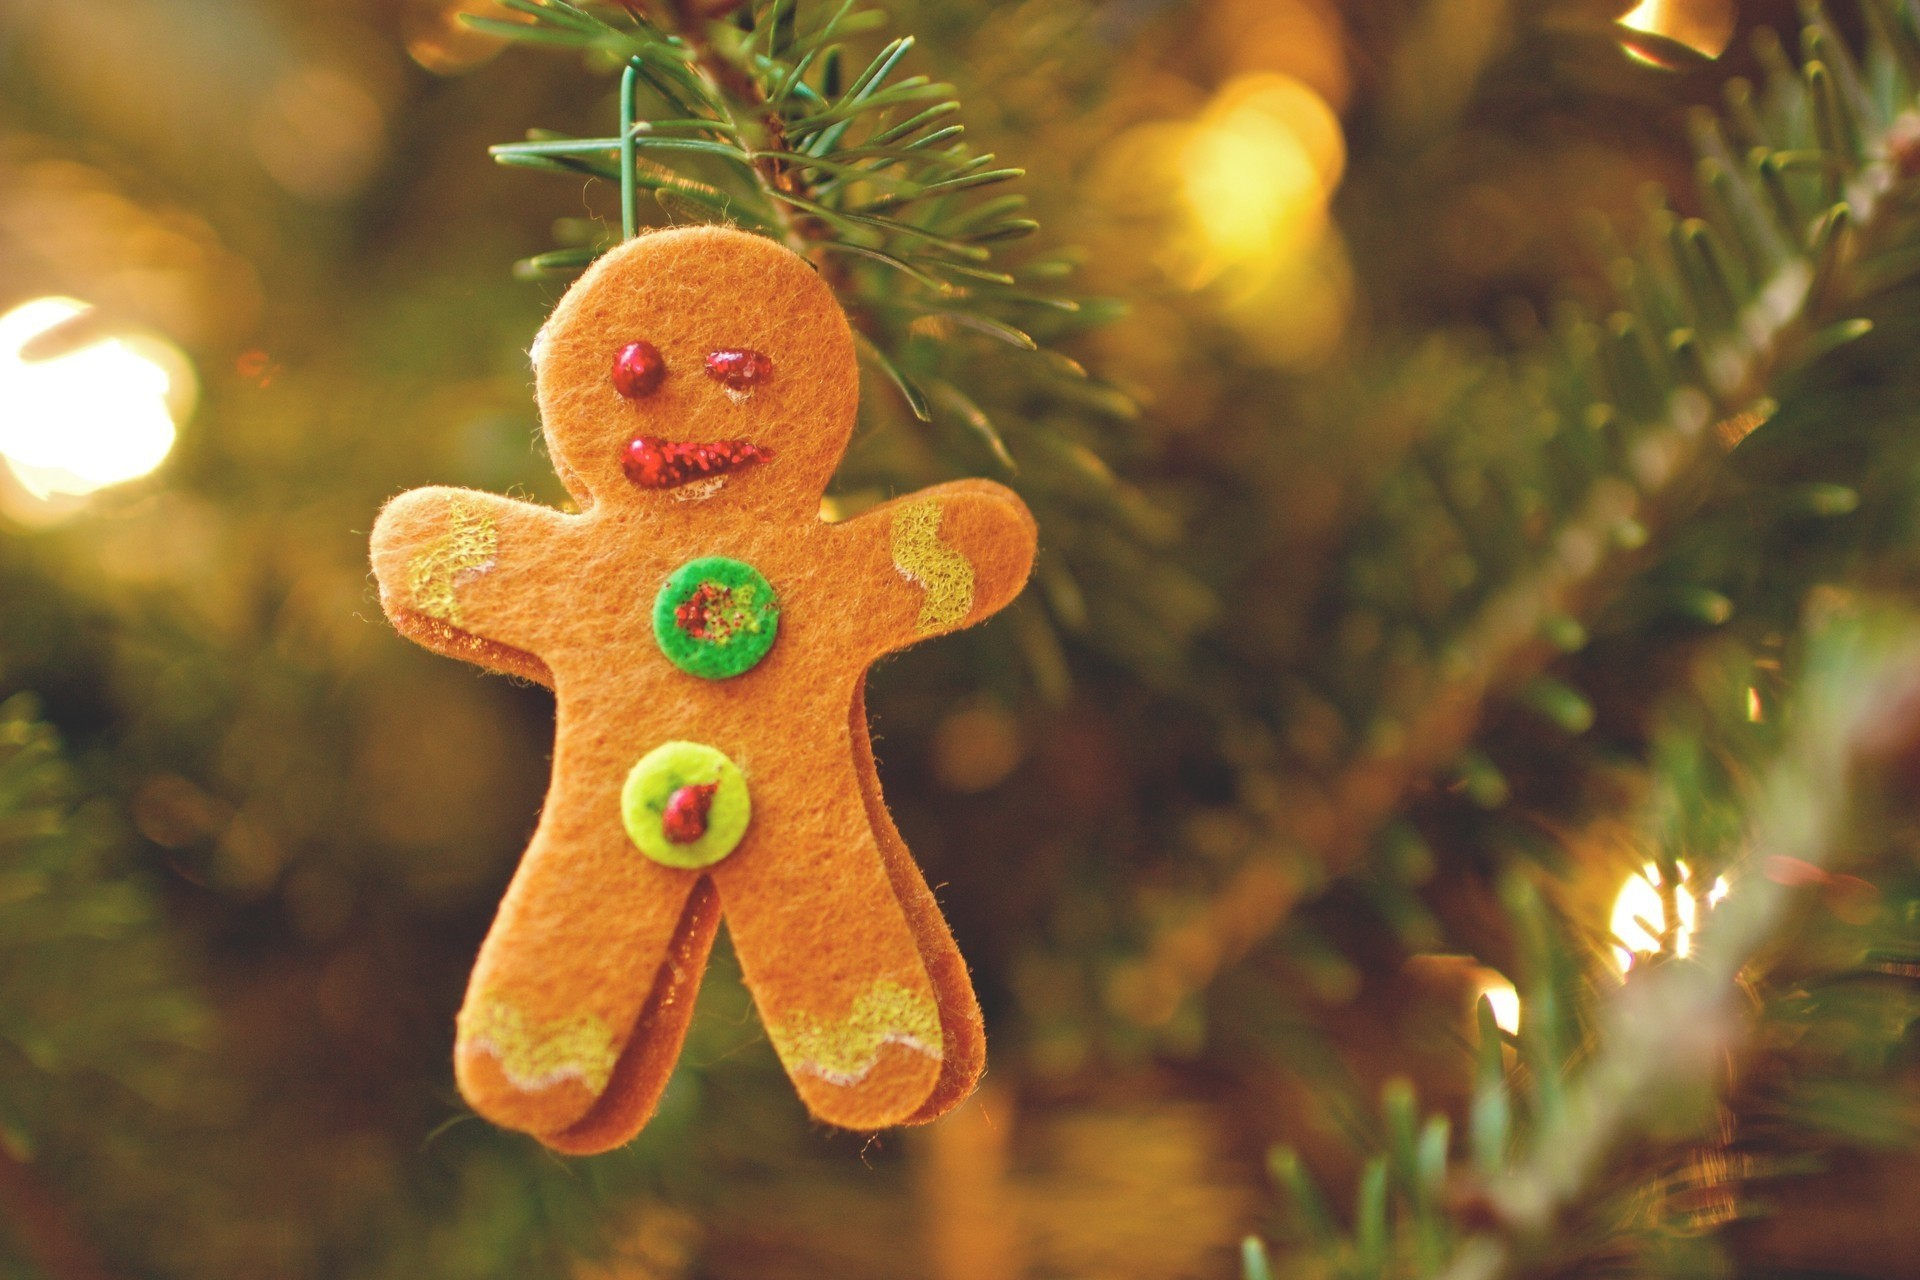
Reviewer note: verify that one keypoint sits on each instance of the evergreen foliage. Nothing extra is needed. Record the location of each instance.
(1536, 492)
(1410, 656)
(1599, 1133)
(101, 1027)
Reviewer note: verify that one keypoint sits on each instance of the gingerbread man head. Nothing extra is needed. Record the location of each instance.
(706, 635)
(703, 365)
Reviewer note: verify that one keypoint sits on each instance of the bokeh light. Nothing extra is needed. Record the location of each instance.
(1504, 999)
(1240, 196)
(79, 417)
(320, 132)
(1257, 171)
(151, 262)
(976, 747)
(438, 38)
(1640, 914)
(1703, 26)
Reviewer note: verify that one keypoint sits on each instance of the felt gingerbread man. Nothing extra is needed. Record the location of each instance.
(706, 635)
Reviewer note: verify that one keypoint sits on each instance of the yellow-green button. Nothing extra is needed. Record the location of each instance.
(685, 804)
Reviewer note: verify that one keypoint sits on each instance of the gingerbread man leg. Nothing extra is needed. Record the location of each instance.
(962, 1032)
(654, 1047)
(828, 949)
(583, 989)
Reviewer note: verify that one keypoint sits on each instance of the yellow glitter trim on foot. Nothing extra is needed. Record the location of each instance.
(536, 1054)
(921, 557)
(843, 1052)
(466, 547)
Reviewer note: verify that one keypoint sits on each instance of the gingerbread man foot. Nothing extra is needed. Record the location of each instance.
(706, 636)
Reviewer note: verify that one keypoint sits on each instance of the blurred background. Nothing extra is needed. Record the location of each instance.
(1226, 813)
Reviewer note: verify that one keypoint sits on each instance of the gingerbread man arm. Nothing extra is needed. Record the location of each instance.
(465, 574)
(940, 559)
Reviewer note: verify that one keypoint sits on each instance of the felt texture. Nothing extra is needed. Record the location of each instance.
(963, 1032)
(853, 970)
(716, 617)
(642, 1072)
(663, 771)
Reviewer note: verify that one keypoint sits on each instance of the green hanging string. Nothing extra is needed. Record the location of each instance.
(628, 80)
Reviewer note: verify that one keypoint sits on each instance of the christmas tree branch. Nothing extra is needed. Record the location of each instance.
(1546, 1135)
(867, 176)
(1714, 315)
(97, 1022)
(1673, 1027)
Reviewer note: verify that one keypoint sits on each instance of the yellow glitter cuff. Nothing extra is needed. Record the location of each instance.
(921, 557)
(466, 547)
(843, 1052)
(537, 1053)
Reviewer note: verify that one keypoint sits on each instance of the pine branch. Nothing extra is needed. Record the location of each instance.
(1676, 1024)
(1715, 314)
(94, 1013)
(868, 173)
(1556, 1133)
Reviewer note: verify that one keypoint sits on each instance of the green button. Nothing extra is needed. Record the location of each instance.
(685, 804)
(716, 617)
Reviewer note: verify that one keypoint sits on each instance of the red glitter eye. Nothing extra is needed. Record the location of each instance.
(637, 370)
(738, 369)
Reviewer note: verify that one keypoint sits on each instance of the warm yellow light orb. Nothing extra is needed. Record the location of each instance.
(1640, 915)
(1503, 998)
(78, 420)
(1704, 26)
(1258, 168)
(1235, 201)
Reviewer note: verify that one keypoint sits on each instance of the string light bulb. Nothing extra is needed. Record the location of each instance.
(1704, 27)
(1639, 919)
(1503, 997)
(84, 416)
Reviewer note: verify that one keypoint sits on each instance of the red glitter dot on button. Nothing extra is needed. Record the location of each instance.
(684, 820)
(638, 369)
(696, 614)
(739, 369)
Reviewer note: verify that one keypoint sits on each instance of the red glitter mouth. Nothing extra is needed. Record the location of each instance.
(653, 463)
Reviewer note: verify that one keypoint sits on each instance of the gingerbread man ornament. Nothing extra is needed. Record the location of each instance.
(706, 635)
